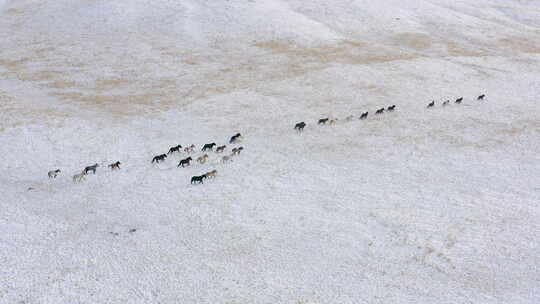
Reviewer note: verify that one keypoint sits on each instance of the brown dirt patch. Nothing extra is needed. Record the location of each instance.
(524, 45)
(14, 114)
(344, 52)
(13, 64)
(415, 41)
(14, 11)
(62, 84)
(109, 83)
(459, 50)
(124, 104)
(39, 76)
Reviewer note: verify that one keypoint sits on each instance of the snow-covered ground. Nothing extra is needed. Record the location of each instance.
(419, 205)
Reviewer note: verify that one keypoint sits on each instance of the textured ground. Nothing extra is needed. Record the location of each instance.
(414, 206)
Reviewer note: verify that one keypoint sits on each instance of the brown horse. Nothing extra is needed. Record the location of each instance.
(115, 165)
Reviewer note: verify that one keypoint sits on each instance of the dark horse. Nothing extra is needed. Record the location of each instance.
(236, 151)
(184, 162)
(364, 115)
(91, 168)
(198, 179)
(235, 138)
(159, 158)
(300, 126)
(322, 121)
(208, 147)
(175, 149)
(220, 149)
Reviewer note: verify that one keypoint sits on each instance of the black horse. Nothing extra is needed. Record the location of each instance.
(379, 111)
(323, 121)
(300, 126)
(364, 115)
(459, 100)
(235, 138)
(175, 149)
(431, 104)
(159, 158)
(91, 168)
(446, 103)
(208, 147)
(198, 179)
(481, 97)
(391, 108)
(185, 162)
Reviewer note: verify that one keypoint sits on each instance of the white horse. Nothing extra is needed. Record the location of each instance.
(189, 149)
(53, 173)
(77, 178)
(202, 159)
(226, 158)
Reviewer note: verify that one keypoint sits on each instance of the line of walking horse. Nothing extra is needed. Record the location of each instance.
(235, 139)
(199, 179)
(327, 120)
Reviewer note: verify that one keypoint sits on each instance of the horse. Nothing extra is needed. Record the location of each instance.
(446, 103)
(77, 178)
(54, 173)
(175, 149)
(236, 151)
(226, 158)
(235, 138)
(189, 149)
(198, 179)
(431, 104)
(220, 149)
(208, 147)
(184, 162)
(211, 174)
(300, 126)
(364, 115)
(115, 165)
(202, 159)
(90, 168)
(379, 111)
(159, 158)
(391, 108)
(322, 121)
(459, 100)
(481, 97)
